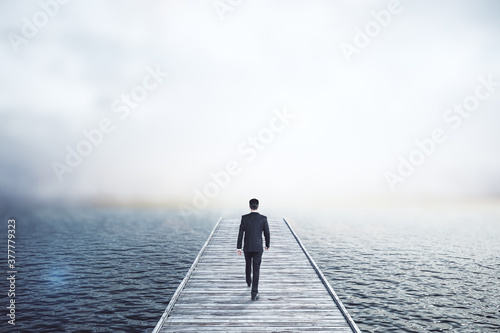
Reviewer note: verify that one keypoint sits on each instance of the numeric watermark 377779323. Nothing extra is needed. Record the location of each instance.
(11, 271)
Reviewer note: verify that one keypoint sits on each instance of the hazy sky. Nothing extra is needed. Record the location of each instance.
(303, 101)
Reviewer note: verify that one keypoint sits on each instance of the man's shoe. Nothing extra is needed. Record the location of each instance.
(255, 297)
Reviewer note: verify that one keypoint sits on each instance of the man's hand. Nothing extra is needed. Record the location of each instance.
(239, 252)
(266, 248)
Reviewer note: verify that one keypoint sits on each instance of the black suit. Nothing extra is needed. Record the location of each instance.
(252, 226)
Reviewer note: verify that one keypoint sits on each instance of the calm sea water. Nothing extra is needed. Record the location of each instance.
(99, 270)
(412, 272)
(110, 270)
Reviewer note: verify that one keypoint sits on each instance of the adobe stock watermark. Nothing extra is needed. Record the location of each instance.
(247, 152)
(362, 37)
(30, 27)
(222, 7)
(94, 137)
(453, 117)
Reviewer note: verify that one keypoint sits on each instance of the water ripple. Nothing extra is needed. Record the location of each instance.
(101, 270)
(410, 277)
(115, 270)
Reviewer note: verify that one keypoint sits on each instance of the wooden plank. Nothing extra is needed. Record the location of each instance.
(325, 282)
(184, 281)
(294, 295)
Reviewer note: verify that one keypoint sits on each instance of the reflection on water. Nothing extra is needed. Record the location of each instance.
(108, 270)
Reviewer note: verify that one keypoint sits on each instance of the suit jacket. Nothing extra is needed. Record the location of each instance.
(253, 225)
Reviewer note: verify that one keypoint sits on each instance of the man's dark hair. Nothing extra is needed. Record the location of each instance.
(254, 204)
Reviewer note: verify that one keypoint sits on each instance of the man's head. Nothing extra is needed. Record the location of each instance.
(254, 204)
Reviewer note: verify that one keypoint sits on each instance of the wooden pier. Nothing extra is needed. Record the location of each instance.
(294, 294)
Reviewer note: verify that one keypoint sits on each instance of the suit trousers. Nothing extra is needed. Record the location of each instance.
(253, 259)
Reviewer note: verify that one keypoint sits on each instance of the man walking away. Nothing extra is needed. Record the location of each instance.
(252, 226)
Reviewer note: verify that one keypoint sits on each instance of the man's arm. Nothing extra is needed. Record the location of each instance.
(240, 236)
(267, 234)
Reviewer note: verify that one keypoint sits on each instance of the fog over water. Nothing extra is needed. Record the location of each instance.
(127, 128)
(131, 103)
